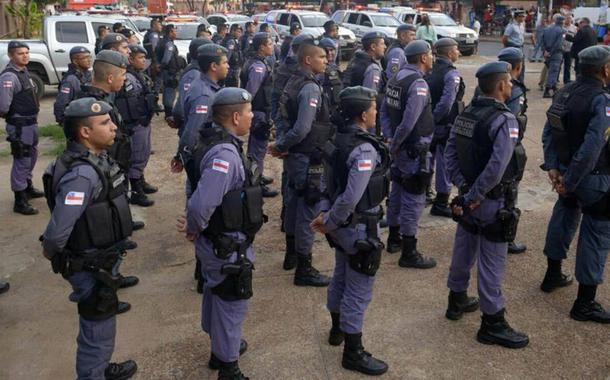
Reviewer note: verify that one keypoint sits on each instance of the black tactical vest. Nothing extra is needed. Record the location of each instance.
(241, 209)
(474, 146)
(396, 98)
(283, 73)
(436, 83)
(107, 219)
(147, 43)
(338, 171)
(24, 102)
(262, 98)
(572, 108)
(521, 116)
(236, 59)
(321, 129)
(354, 73)
(394, 45)
(134, 106)
(193, 65)
(173, 66)
(332, 85)
(83, 78)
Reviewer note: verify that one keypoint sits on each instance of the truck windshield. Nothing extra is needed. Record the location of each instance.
(313, 21)
(384, 20)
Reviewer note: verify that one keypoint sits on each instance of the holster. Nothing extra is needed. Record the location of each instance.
(312, 192)
(416, 184)
(103, 302)
(368, 256)
(599, 210)
(19, 149)
(120, 151)
(237, 284)
(263, 131)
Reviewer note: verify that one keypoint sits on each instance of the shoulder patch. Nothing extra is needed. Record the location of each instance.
(457, 80)
(422, 91)
(7, 84)
(607, 111)
(259, 69)
(65, 90)
(395, 60)
(514, 131)
(74, 198)
(376, 79)
(220, 165)
(313, 102)
(201, 109)
(365, 165)
(186, 86)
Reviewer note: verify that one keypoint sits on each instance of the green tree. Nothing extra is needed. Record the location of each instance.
(28, 17)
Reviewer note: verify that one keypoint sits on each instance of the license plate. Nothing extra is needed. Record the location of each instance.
(342, 43)
(469, 40)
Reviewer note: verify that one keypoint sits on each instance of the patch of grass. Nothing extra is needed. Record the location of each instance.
(55, 151)
(5, 153)
(53, 131)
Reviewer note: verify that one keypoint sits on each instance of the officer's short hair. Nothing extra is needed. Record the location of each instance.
(117, 26)
(443, 50)
(513, 62)
(73, 124)
(101, 70)
(488, 83)
(585, 20)
(366, 44)
(222, 113)
(307, 50)
(221, 27)
(115, 45)
(589, 70)
(101, 28)
(414, 59)
(154, 21)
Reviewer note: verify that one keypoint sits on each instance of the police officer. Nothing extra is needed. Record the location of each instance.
(189, 74)
(285, 49)
(246, 39)
(19, 107)
(395, 53)
(331, 78)
(446, 92)
(305, 117)
(256, 79)
(482, 163)
(109, 70)
(102, 31)
(116, 42)
(214, 67)
(514, 36)
(220, 34)
(90, 219)
(77, 75)
(576, 155)
(224, 247)
(151, 39)
(552, 47)
(365, 69)
(235, 55)
(331, 31)
(517, 103)
(357, 184)
(137, 102)
(408, 125)
(170, 67)
(130, 35)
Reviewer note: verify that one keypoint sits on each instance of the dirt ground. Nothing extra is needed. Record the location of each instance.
(287, 326)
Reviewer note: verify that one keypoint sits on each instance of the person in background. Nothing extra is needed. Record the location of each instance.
(585, 37)
(102, 31)
(203, 31)
(570, 33)
(425, 30)
(537, 40)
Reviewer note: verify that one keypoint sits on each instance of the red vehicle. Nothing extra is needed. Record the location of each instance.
(86, 4)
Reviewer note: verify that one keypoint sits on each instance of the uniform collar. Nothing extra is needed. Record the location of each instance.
(210, 82)
(14, 67)
(97, 91)
(444, 60)
(591, 81)
(412, 67)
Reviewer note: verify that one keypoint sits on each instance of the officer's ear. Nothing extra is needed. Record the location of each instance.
(606, 73)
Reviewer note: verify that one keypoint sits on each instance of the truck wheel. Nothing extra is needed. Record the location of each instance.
(38, 85)
(468, 52)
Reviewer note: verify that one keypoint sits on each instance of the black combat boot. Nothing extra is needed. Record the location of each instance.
(429, 195)
(230, 371)
(411, 258)
(127, 281)
(460, 303)
(266, 180)
(198, 276)
(586, 308)
(394, 240)
(123, 307)
(516, 248)
(215, 363)
(148, 188)
(554, 278)
(290, 257)
(547, 93)
(33, 192)
(496, 330)
(269, 193)
(138, 197)
(121, 371)
(22, 206)
(355, 358)
(307, 275)
(335, 336)
(440, 206)
(4, 287)
(137, 225)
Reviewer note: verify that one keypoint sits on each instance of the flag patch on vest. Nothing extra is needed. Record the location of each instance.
(7, 84)
(514, 132)
(74, 198)
(395, 60)
(220, 165)
(375, 79)
(65, 90)
(201, 109)
(186, 86)
(422, 91)
(365, 165)
(313, 102)
(608, 111)
(259, 69)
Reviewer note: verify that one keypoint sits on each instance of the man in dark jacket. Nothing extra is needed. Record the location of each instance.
(585, 37)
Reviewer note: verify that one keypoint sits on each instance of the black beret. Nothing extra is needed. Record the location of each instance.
(372, 36)
(211, 51)
(493, 68)
(78, 50)
(405, 27)
(14, 44)
(229, 96)
(417, 47)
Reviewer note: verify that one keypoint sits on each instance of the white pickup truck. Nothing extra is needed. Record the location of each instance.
(49, 58)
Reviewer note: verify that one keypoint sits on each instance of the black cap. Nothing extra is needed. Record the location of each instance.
(329, 24)
(259, 39)
(196, 43)
(405, 28)
(15, 44)
(372, 36)
(137, 49)
(78, 50)
(493, 68)
(229, 96)
(357, 93)
(295, 26)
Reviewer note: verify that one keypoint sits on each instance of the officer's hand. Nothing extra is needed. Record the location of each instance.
(272, 150)
(474, 205)
(546, 54)
(171, 122)
(554, 176)
(46, 255)
(457, 210)
(176, 166)
(317, 224)
(560, 187)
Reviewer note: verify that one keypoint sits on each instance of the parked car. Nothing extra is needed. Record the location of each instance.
(363, 22)
(311, 22)
(49, 58)
(446, 27)
(259, 17)
(229, 18)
